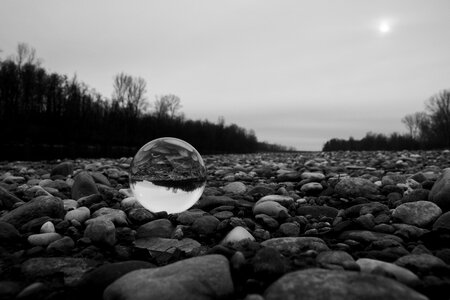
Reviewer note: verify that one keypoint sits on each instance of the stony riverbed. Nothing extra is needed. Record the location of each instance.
(347, 225)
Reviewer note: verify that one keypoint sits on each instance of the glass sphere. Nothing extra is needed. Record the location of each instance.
(167, 174)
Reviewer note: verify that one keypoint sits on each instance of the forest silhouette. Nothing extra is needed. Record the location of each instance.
(47, 115)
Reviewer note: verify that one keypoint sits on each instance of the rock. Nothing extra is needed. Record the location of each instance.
(61, 246)
(100, 178)
(294, 245)
(157, 228)
(289, 229)
(95, 281)
(90, 200)
(205, 225)
(38, 207)
(80, 214)
(356, 187)
(367, 236)
(63, 169)
(34, 290)
(236, 235)
(223, 215)
(311, 188)
(71, 268)
(339, 258)
(70, 204)
(189, 216)
(8, 233)
(419, 213)
(117, 216)
(317, 211)
(440, 192)
(161, 245)
(83, 185)
(267, 221)
(43, 239)
(236, 187)
(420, 262)
(442, 223)
(7, 199)
(47, 227)
(203, 278)
(268, 264)
(9, 289)
(101, 231)
(210, 202)
(378, 267)
(140, 215)
(317, 284)
(270, 208)
(313, 176)
(286, 201)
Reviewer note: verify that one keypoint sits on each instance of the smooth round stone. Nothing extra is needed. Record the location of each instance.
(47, 227)
(189, 216)
(63, 169)
(236, 235)
(235, 188)
(117, 216)
(289, 229)
(420, 262)
(80, 214)
(32, 290)
(43, 239)
(8, 232)
(223, 215)
(334, 258)
(286, 201)
(205, 225)
(355, 187)
(101, 231)
(267, 221)
(70, 204)
(7, 199)
(443, 222)
(130, 202)
(268, 264)
(61, 246)
(270, 208)
(315, 176)
(83, 185)
(318, 284)
(311, 187)
(440, 191)
(203, 278)
(158, 228)
(419, 213)
(401, 274)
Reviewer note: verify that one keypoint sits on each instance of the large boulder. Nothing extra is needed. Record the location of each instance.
(440, 192)
(318, 284)
(203, 278)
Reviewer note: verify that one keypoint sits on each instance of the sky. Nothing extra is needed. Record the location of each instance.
(296, 72)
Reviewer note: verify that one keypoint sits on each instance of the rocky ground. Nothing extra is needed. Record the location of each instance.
(349, 225)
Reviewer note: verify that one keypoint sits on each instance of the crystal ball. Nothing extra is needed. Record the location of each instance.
(167, 174)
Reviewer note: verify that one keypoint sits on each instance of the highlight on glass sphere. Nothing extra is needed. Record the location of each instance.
(167, 174)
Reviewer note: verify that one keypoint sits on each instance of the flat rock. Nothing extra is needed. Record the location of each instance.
(43, 239)
(367, 236)
(199, 278)
(162, 245)
(38, 207)
(295, 245)
(419, 213)
(320, 284)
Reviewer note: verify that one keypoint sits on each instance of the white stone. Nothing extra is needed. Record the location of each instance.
(237, 234)
(47, 227)
(43, 239)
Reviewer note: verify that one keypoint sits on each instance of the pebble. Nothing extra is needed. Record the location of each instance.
(205, 225)
(83, 185)
(43, 239)
(47, 227)
(270, 208)
(157, 228)
(236, 235)
(311, 188)
(80, 214)
(236, 187)
(101, 231)
(419, 213)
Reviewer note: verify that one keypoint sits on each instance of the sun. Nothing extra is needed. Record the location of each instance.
(384, 27)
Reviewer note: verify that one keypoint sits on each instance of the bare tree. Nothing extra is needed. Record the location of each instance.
(167, 106)
(439, 109)
(414, 123)
(25, 55)
(130, 92)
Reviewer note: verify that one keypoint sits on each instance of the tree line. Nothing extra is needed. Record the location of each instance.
(429, 129)
(45, 115)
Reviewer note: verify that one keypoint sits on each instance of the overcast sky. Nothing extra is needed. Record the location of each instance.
(297, 72)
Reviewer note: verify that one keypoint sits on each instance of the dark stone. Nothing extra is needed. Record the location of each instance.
(8, 233)
(63, 169)
(268, 264)
(94, 282)
(38, 207)
(317, 211)
(7, 199)
(205, 225)
(443, 222)
(440, 193)
(83, 185)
